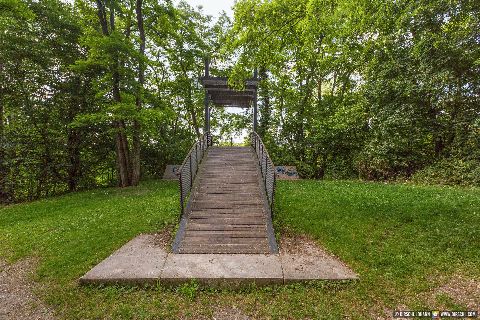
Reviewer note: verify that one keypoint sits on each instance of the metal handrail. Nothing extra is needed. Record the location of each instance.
(189, 168)
(267, 168)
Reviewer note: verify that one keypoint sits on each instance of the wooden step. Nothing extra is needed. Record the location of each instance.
(224, 227)
(236, 220)
(225, 248)
(227, 213)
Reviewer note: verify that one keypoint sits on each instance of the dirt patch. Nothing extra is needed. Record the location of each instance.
(18, 301)
(164, 238)
(301, 244)
(463, 290)
(231, 313)
(291, 243)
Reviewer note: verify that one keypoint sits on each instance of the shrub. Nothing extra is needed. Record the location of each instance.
(450, 171)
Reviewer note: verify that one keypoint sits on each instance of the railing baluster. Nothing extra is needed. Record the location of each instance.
(190, 172)
(266, 173)
(196, 158)
(190, 160)
(181, 192)
(267, 168)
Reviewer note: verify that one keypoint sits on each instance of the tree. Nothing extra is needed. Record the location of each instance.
(369, 88)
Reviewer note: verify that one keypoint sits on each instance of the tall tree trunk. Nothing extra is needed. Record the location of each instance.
(121, 141)
(123, 163)
(3, 169)
(141, 80)
(102, 17)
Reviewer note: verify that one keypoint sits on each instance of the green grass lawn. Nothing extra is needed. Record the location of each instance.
(404, 241)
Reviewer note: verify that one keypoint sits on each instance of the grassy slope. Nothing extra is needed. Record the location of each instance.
(394, 236)
(72, 232)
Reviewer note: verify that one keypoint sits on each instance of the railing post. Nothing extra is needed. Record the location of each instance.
(257, 147)
(261, 153)
(196, 158)
(273, 191)
(200, 147)
(181, 193)
(258, 150)
(266, 171)
(261, 166)
(191, 175)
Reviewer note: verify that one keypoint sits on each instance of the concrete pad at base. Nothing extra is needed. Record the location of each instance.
(218, 269)
(310, 267)
(142, 260)
(139, 261)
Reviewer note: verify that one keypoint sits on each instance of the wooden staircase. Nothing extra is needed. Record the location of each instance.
(228, 210)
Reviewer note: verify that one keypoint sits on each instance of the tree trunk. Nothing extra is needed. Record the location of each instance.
(121, 144)
(102, 17)
(141, 80)
(121, 141)
(3, 170)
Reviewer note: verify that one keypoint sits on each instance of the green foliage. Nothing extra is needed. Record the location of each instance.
(59, 119)
(189, 289)
(374, 89)
(450, 172)
(379, 90)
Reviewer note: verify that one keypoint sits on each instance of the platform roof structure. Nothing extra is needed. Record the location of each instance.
(219, 93)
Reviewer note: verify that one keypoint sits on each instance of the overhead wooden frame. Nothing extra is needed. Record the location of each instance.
(219, 93)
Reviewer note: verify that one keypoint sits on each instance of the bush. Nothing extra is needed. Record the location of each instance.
(450, 171)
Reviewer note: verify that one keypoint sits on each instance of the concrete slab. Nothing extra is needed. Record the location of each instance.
(298, 268)
(171, 172)
(286, 173)
(219, 269)
(139, 261)
(142, 260)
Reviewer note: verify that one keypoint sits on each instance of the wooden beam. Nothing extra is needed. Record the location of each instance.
(227, 89)
(222, 81)
(231, 101)
(227, 94)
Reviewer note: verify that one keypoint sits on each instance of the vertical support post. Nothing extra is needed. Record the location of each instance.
(255, 113)
(181, 194)
(255, 108)
(207, 112)
(261, 157)
(273, 190)
(207, 67)
(196, 158)
(207, 101)
(265, 174)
